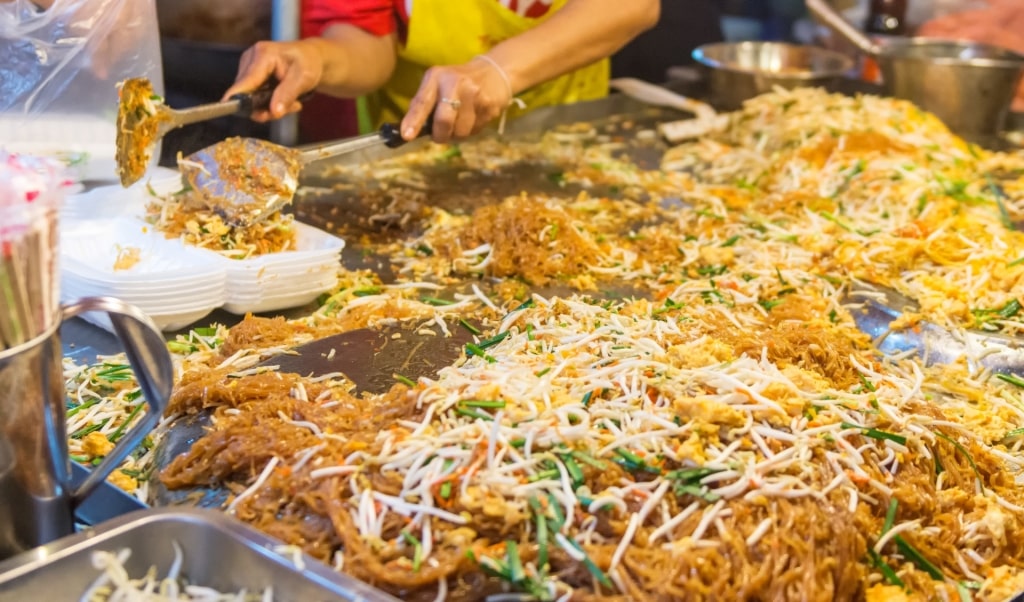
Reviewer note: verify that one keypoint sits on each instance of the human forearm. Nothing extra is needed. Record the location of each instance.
(355, 62)
(346, 62)
(582, 32)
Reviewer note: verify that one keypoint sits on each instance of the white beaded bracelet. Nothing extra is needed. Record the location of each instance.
(511, 96)
(501, 72)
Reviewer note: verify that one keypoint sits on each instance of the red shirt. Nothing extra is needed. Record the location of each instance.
(381, 17)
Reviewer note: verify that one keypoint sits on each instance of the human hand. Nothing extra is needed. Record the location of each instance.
(298, 66)
(464, 98)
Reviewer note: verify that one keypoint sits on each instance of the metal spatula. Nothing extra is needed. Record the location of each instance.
(143, 119)
(246, 180)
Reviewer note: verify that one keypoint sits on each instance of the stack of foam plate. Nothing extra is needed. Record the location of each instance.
(280, 280)
(174, 284)
(178, 284)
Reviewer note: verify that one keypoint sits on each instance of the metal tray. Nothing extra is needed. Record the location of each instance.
(218, 552)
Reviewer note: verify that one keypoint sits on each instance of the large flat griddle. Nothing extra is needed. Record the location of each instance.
(367, 217)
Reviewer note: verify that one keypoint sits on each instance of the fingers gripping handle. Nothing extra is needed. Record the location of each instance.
(259, 99)
(391, 133)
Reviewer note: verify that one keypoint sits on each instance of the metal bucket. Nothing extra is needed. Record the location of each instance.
(969, 86)
(37, 499)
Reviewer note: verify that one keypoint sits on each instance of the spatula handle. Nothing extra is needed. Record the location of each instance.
(259, 99)
(391, 133)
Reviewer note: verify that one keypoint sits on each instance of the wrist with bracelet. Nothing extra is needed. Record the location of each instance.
(508, 83)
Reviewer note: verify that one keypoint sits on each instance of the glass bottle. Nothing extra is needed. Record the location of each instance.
(887, 18)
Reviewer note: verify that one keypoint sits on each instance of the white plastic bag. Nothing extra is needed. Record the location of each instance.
(59, 69)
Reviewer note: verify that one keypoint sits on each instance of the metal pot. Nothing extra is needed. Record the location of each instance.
(969, 86)
(742, 70)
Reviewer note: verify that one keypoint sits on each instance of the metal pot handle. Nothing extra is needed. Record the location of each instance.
(150, 360)
(835, 22)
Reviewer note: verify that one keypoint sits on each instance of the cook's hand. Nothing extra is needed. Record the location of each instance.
(464, 98)
(298, 66)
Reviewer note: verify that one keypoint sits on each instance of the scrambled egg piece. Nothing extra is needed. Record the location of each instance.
(701, 353)
(708, 410)
(123, 481)
(96, 444)
(1001, 584)
(886, 593)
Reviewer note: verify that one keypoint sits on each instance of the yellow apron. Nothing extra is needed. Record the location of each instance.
(451, 32)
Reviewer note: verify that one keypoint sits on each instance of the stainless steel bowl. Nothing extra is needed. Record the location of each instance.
(742, 70)
(968, 86)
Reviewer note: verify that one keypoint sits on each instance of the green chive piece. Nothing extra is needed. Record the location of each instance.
(1011, 309)
(542, 372)
(113, 437)
(523, 305)
(575, 472)
(405, 380)
(867, 383)
(112, 369)
(1004, 215)
(876, 433)
(732, 240)
(469, 327)
(472, 349)
(84, 406)
(556, 509)
(544, 475)
(970, 459)
(473, 414)
(181, 348)
(1015, 433)
(587, 397)
(491, 342)
(417, 558)
(918, 559)
(483, 403)
(436, 301)
(367, 292)
(890, 516)
(82, 432)
(1013, 379)
(588, 459)
(515, 564)
(630, 457)
(542, 535)
(890, 575)
(593, 568)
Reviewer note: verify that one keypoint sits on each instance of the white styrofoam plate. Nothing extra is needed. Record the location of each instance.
(273, 303)
(91, 252)
(165, 322)
(170, 299)
(178, 284)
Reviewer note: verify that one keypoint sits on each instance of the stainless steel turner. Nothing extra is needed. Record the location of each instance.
(247, 180)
